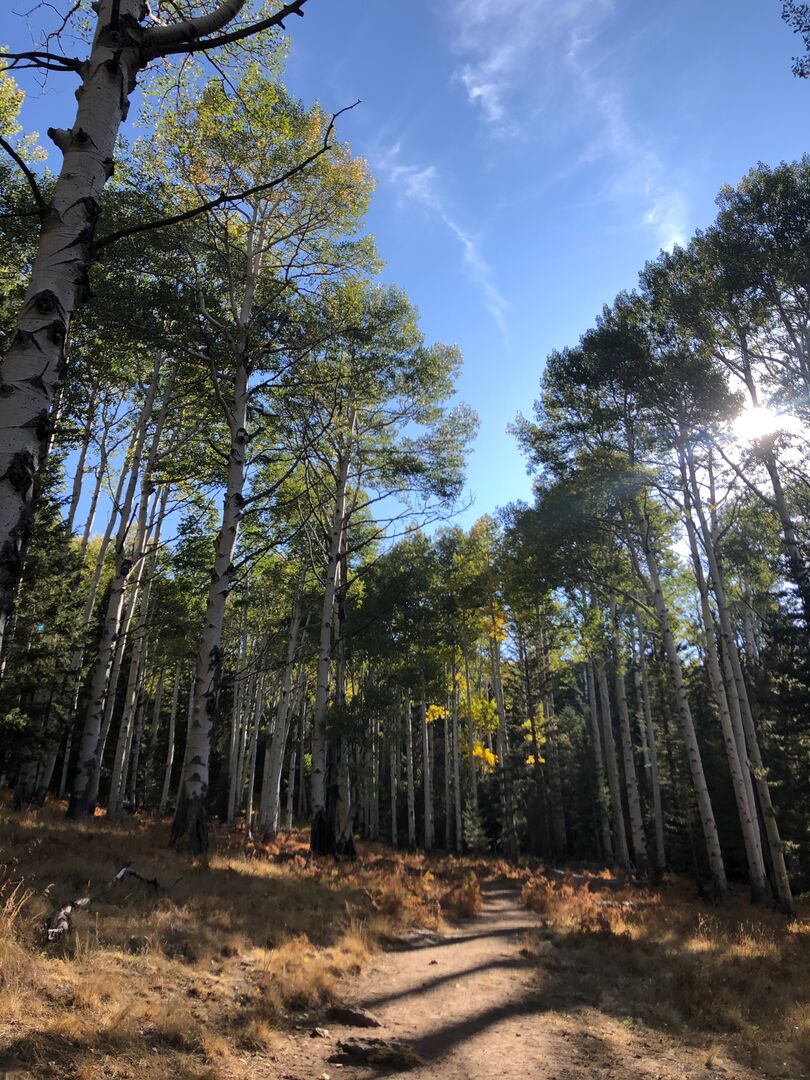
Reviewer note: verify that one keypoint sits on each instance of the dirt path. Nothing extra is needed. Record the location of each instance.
(475, 1004)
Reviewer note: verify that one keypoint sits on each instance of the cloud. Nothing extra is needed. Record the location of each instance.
(423, 186)
(527, 64)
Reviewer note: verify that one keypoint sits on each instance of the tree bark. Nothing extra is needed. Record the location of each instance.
(596, 740)
(411, 793)
(34, 366)
(167, 771)
(700, 787)
(643, 695)
(190, 825)
(729, 646)
(269, 804)
(611, 762)
(630, 779)
(320, 842)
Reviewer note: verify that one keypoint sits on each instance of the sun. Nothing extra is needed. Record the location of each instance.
(758, 422)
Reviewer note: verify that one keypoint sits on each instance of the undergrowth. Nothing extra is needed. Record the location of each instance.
(195, 977)
(740, 971)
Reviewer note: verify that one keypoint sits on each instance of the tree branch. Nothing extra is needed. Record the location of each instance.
(193, 34)
(223, 198)
(47, 60)
(27, 173)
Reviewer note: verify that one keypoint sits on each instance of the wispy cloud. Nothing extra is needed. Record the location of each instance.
(516, 59)
(422, 185)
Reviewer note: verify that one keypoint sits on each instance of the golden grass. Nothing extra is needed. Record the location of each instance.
(739, 971)
(194, 980)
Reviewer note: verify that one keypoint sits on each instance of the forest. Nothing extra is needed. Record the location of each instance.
(239, 619)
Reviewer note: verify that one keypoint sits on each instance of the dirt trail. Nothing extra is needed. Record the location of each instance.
(474, 1004)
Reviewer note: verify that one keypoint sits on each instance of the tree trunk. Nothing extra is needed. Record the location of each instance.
(459, 823)
(427, 773)
(510, 833)
(601, 791)
(411, 793)
(167, 771)
(269, 804)
(34, 366)
(612, 766)
(471, 734)
(733, 742)
(190, 825)
(394, 781)
(82, 798)
(643, 695)
(78, 476)
(630, 779)
(729, 646)
(320, 841)
(701, 790)
(250, 780)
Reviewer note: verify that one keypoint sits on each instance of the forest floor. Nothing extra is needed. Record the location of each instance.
(473, 969)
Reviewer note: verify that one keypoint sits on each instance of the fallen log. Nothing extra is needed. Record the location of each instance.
(60, 924)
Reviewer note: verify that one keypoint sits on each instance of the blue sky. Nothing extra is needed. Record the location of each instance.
(531, 155)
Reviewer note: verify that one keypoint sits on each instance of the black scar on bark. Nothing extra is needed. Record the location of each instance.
(322, 838)
(20, 472)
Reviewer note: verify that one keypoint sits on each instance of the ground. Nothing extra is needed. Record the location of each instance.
(474, 969)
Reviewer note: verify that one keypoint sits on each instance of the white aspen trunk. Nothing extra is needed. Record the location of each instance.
(459, 824)
(254, 747)
(643, 695)
(236, 733)
(167, 771)
(503, 752)
(137, 743)
(427, 774)
(320, 841)
(63, 780)
(411, 793)
(236, 743)
(130, 469)
(100, 473)
(290, 790)
(611, 764)
(190, 825)
(374, 786)
(115, 805)
(630, 779)
(448, 753)
(129, 735)
(700, 787)
(302, 776)
(154, 730)
(78, 477)
(269, 804)
(33, 368)
(729, 647)
(749, 632)
(112, 684)
(245, 730)
(85, 784)
(596, 740)
(394, 765)
(738, 770)
(471, 733)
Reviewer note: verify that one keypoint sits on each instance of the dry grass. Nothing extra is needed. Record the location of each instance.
(197, 978)
(735, 970)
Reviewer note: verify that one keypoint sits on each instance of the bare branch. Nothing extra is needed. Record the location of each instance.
(27, 173)
(37, 59)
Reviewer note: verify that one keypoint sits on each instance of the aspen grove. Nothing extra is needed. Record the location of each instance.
(233, 592)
